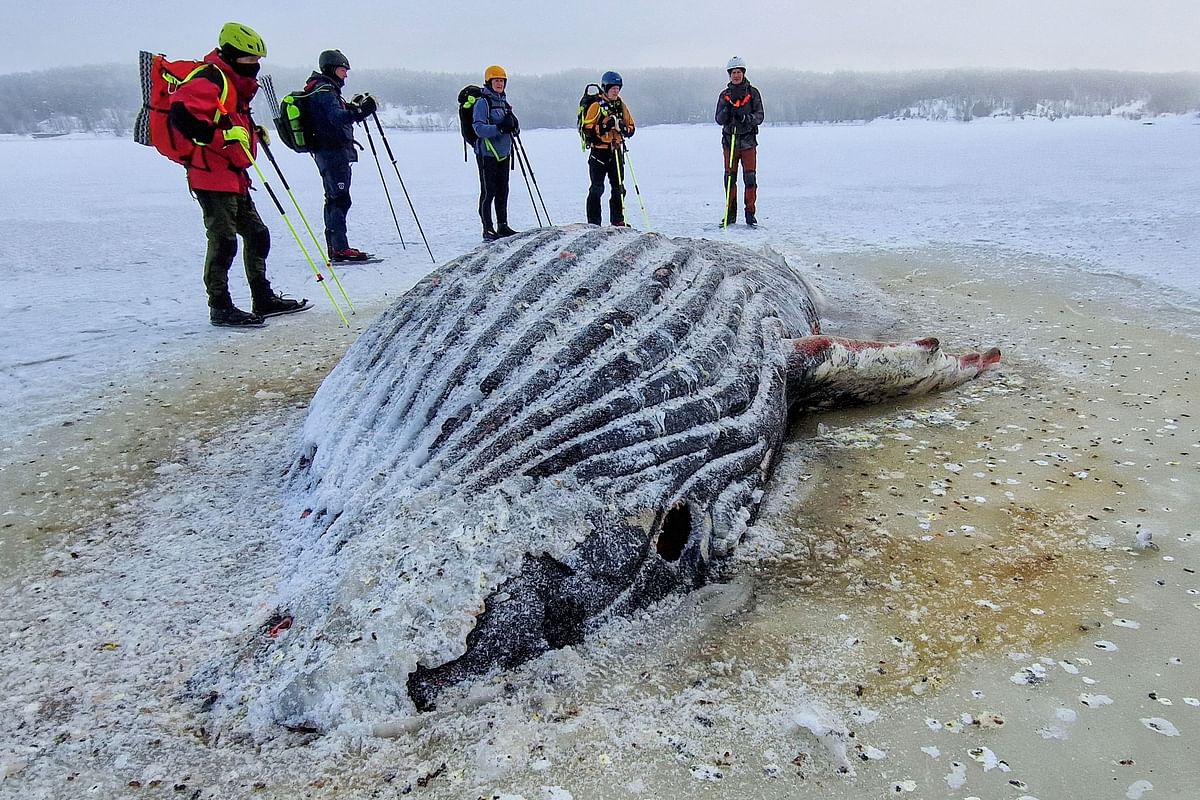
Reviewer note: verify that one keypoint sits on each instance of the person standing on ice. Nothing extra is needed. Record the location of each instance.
(334, 149)
(739, 113)
(495, 125)
(607, 123)
(213, 109)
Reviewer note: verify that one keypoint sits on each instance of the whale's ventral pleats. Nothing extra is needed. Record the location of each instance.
(557, 427)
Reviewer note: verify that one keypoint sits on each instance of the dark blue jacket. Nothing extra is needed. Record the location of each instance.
(332, 122)
(489, 109)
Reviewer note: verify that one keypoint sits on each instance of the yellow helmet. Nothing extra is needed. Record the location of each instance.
(494, 71)
(242, 38)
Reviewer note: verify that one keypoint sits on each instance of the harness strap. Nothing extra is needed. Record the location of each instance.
(222, 98)
(737, 103)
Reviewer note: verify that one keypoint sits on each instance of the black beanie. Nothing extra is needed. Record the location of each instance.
(230, 54)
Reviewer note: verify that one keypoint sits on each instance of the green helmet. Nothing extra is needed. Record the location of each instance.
(237, 36)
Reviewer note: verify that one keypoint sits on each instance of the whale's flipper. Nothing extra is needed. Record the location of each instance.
(827, 371)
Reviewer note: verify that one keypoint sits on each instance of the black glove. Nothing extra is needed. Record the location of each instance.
(627, 132)
(608, 124)
(739, 116)
(508, 124)
(364, 104)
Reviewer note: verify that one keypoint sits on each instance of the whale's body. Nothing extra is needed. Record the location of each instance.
(554, 428)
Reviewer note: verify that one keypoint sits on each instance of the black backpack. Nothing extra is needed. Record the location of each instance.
(591, 93)
(294, 123)
(467, 98)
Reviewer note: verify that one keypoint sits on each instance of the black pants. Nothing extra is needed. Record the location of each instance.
(493, 190)
(602, 163)
(226, 216)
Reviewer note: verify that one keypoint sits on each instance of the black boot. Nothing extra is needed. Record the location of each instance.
(504, 230)
(490, 235)
(272, 305)
(751, 220)
(233, 317)
(731, 219)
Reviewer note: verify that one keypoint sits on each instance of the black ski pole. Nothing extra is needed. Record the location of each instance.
(399, 177)
(296, 204)
(525, 155)
(386, 193)
(516, 154)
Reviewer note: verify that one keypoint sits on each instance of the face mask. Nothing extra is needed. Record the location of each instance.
(246, 70)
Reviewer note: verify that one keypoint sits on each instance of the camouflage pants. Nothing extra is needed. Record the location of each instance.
(226, 216)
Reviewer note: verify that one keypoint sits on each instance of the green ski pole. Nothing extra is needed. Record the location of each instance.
(636, 188)
(296, 204)
(729, 177)
(295, 235)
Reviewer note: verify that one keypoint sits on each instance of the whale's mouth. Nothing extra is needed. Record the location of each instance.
(548, 605)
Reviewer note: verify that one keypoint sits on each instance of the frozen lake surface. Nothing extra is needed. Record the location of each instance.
(102, 246)
(950, 598)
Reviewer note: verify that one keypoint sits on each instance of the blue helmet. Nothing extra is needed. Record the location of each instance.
(610, 78)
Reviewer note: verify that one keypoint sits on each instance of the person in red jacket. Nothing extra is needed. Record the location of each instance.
(213, 110)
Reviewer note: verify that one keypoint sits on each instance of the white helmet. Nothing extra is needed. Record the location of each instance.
(737, 62)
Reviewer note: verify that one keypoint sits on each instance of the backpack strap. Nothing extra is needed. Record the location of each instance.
(205, 70)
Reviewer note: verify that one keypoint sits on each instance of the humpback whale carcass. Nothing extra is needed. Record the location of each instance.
(552, 429)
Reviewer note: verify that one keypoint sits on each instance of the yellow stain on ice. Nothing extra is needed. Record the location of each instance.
(934, 544)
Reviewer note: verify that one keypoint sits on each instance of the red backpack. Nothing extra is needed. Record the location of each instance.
(160, 80)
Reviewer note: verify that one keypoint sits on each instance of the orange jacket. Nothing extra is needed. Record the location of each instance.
(596, 123)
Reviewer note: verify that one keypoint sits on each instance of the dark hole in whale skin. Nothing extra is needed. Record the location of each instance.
(676, 528)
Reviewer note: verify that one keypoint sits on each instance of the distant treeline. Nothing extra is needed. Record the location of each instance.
(106, 98)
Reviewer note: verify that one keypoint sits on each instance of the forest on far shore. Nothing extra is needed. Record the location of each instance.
(106, 98)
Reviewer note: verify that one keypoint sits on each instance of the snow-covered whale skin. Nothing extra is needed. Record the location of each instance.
(553, 428)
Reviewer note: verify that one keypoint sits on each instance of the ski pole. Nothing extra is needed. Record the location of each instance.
(538, 189)
(729, 177)
(386, 193)
(399, 177)
(516, 151)
(312, 235)
(295, 234)
(636, 188)
(621, 182)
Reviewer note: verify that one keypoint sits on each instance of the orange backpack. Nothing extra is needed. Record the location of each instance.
(160, 80)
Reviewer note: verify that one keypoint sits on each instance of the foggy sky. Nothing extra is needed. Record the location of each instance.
(539, 36)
